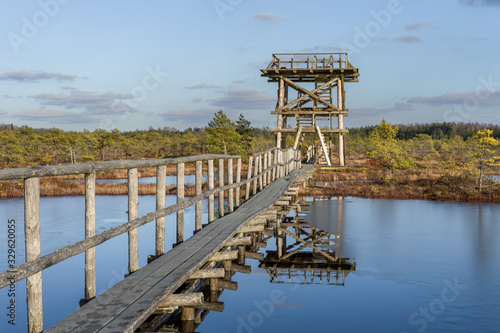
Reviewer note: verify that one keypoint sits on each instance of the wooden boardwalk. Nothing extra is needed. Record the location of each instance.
(124, 307)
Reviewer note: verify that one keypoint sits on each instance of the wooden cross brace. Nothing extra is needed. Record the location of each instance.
(309, 94)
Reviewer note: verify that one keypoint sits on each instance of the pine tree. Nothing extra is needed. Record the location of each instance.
(222, 135)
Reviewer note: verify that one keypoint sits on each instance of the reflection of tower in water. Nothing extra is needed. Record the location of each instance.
(308, 256)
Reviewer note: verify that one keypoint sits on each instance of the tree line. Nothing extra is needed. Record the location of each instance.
(408, 144)
(25, 146)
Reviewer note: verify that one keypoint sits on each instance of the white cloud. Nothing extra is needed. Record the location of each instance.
(104, 104)
(483, 98)
(408, 39)
(55, 116)
(35, 76)
(481, 2)
(244, 99)
(204, 86)
(418, 26)
(267, 17)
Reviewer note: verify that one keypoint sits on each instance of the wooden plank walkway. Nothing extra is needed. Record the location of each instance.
(129, 303)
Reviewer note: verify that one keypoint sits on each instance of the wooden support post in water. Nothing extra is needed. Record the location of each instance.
(160, 204)
(249, 175)
(238, 179)
(214, 290)
(227, 270)
(133, 235)
(221, 183)
(32, 244)
(230, 182)
(187, 318)
(198, 189)
(90, 273)
(241, 254)
(211, 215)
(180, 198)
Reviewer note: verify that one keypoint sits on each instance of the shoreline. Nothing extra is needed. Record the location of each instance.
(363, 181)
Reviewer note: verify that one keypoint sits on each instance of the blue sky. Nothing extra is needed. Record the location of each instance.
(134, 64)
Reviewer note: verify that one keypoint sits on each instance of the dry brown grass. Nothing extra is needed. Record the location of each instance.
(375, 180)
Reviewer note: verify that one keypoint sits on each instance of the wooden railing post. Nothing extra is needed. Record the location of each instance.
(211, 215)
(275, 160)
(221, 183)
(161, 175)
(238, 179)
(133, 235)
(230, 181)
(255, 173)
(283, 161)
(249, 176)
(269, 164)
(32, 244)
(90, 272)
(180, 198)
(264, 178)
(198, 189)
(260, 173)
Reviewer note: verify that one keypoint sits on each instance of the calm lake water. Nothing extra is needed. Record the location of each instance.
(421, 266)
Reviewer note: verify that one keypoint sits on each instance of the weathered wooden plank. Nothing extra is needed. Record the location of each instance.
(193, 299)
(211, 213)
(160, 204)
(211, 306)
(230, 181)
(180, 198)
(252, 228)
(208, 273)
(198, 189)
(32, 246)
(256, 256)
(238, 179)
(249, 176)
(90, 272)
(221, 184)
(239, 241)
(225, 255)
(241, 268)
(133, 234)
(229, 285)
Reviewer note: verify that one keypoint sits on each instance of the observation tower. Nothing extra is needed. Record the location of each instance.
(310, 95)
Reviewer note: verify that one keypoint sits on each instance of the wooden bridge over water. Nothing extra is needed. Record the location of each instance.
(172, 279)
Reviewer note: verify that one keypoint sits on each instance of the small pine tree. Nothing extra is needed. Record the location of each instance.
(385, 146)
(222, 135)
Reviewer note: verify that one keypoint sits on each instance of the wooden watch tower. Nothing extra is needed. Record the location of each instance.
(318, 79)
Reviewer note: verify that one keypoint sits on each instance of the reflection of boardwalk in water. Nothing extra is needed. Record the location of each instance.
(308, 258)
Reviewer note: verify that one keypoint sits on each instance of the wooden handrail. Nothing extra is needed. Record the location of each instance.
(84, 168)
(35, 266)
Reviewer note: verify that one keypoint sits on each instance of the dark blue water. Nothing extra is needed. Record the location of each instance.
(421, 266)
